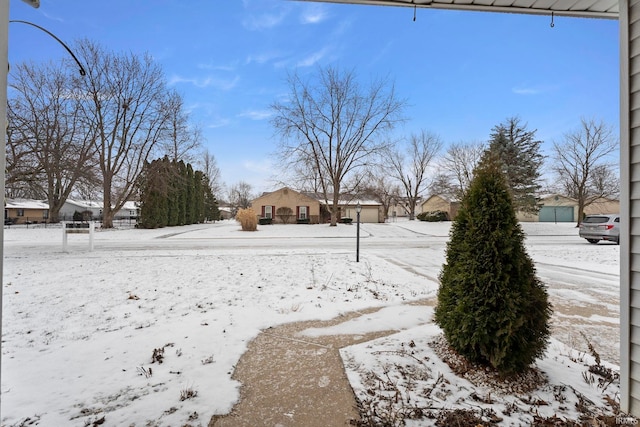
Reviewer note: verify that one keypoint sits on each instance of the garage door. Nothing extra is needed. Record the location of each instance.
(556, 214)
(369, 214)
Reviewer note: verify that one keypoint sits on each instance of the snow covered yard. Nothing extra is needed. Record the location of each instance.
(146, 329)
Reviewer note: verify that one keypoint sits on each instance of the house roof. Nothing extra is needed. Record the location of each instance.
(282, 190)
(86, 204)
(446, 197)
(25, 204)
(356, 201)
(578, 8)
(99, 204)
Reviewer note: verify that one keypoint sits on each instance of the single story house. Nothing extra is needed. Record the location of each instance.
(226, 212)
(553, 208)
(559, 208)
(301, 208)
(310, 208)
(92, 210)
(603, 206)
(441, 202)
(25, 211)
(370, 211)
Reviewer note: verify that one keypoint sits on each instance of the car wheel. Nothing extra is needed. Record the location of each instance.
(593, 241)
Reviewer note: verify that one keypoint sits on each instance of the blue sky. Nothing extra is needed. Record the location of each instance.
(461, 72)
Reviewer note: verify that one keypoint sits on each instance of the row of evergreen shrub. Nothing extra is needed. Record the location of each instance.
(172, 193)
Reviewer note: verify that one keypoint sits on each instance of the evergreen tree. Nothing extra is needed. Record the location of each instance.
(212, 212)
(153, 187)
(519, 151)
(491, 306)
(172, 193)
(190, 196)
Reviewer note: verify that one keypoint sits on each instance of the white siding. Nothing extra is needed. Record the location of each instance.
(630, 205)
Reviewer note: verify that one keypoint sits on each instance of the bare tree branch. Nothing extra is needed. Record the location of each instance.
(126, 101)
(409, 166)
(584, 165)
(333, 126)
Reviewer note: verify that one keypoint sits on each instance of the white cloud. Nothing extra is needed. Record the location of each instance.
(313, 14)
(314, 58)
(263, 22)
(203, 82)
(525, 91)
(218, 123)
(256, 114)
(533, 90)
(224, 67)
(263, 58)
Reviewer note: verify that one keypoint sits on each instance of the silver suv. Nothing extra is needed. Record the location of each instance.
(601, 227)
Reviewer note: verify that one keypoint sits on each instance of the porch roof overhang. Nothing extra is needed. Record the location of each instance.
(578, 8)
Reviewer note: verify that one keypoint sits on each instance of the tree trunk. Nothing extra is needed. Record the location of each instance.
(54, 214)
(107, 214)
(335, 209)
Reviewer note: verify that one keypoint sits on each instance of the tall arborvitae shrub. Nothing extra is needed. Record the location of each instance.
(153, 187)
(172, 193)
(491, 306)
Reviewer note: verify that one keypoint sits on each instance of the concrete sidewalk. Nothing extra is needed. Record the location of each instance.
(292, 380)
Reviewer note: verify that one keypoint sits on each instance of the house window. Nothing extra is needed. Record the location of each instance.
(302, 212)
(45, 214)
(20, 212)
(268, 211)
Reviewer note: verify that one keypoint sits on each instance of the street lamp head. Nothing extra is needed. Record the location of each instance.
(358, 207)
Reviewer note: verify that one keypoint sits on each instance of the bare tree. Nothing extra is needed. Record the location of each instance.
(240, 196)
(301, 174)
(379, 186)
(458, 164)
(183, 138)
(335, 125)
(50, 148)
(409, 165)
(209, 167)
(127, 104)
(583, 164)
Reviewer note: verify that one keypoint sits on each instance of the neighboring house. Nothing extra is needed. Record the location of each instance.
(400, 208)
(559, 208)
(25, 211)
(441, 202)
(303, 208)
(553, 208)
(92, 210)
(226, 212)
(370, 211)
(130, 210)
(603, 206)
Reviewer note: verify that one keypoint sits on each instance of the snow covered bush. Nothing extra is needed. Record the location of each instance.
(247, 219)
(491, 306)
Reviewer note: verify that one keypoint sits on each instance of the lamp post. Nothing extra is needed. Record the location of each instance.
(358, 210)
